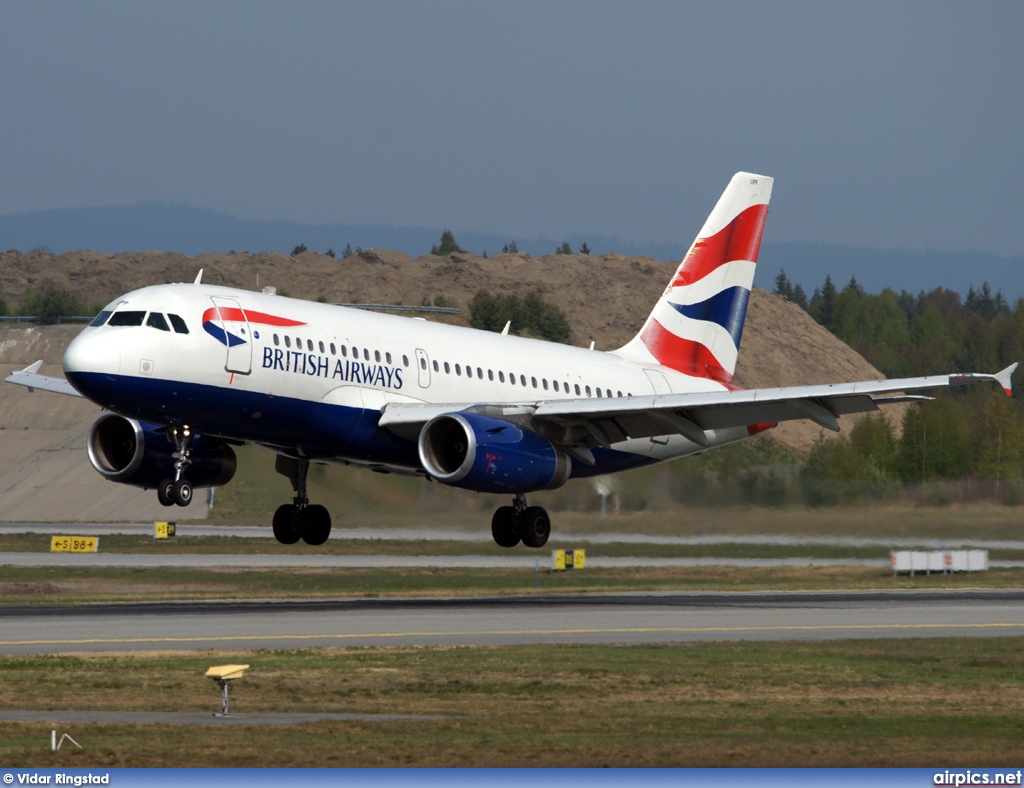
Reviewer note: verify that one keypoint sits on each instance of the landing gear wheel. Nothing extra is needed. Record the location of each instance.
(534, 526)
(165, 492)
(285, 519)
(314, 524)
(503, 527)
(182, 492)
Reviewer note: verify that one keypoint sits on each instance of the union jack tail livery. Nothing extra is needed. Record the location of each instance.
(695, 327)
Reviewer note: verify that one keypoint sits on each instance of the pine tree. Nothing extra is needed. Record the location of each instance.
(447, 245)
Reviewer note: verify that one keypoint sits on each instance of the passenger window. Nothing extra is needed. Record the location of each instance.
(277, 340)
(355, 353)
(179, 324)
(287, 341)
(309, 345)
(618, 393)
(423, 363)
(100, 319)
(405, 360)
(554, 385)
(544, 381)
(512, 378)
(157, 321)
(344, 351)
(599, 393)
(588, 391)
(333, 351)
(490, 374)
(376, 356)
(322, 348)
(534, 382)
(126, 319)
(458, 370)
(501, 376)
(366, 354)
(387, 357)
(435, 365)
(447, 369)
(298, 343)
(577, 389)
(608, 393)
(522, 379)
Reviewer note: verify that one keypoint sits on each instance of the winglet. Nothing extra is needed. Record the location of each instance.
(1004, 379)
(199, 277)
(33, 368)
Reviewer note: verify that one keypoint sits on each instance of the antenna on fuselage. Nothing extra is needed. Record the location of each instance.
(199, 277)
(504, 331)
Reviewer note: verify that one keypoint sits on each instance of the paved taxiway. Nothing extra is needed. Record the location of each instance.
(628, 618)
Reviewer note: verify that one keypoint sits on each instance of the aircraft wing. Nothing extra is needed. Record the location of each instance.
(29, 377)
(602, 422)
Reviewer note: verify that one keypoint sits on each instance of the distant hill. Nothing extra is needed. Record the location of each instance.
(192, 231)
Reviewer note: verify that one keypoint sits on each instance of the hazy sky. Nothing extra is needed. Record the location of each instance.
(891, 124)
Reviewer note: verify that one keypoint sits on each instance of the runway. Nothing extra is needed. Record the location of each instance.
(484, 535)
(604, 619)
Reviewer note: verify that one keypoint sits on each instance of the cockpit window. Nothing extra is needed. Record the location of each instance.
(157, 320)
(127, 318)
(179, 324)
(101, 318)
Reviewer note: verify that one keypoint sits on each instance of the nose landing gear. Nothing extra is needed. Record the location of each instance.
(519, 522)
(299, 520)
(177, 490)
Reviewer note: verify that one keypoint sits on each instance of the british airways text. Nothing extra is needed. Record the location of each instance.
(341, 369)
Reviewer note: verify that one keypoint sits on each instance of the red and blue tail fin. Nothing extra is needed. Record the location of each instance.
(696, 326)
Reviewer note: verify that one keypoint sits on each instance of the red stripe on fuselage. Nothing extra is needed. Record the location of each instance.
(247, 315)
(683, 355)
(738, 240)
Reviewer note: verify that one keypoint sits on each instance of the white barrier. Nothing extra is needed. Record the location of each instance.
(914, 561)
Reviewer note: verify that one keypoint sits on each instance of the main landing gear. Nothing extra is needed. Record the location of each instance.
(519, 522)
(300, 519)
(177, 490)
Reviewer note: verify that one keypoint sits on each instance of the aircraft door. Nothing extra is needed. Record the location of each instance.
(658, 381)
(236, 334)
(423, 368)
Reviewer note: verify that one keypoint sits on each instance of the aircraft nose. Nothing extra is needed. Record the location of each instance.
(90, 354)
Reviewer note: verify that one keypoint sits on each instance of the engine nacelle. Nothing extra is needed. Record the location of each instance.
(490, 455)
(140, 454)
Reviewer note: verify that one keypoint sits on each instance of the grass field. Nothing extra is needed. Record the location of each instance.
(927, 703)
(60, 585)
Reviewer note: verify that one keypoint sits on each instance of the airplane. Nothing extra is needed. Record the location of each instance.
(186, 371)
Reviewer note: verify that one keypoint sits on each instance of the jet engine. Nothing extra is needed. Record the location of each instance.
(490, 455)
(140, 454)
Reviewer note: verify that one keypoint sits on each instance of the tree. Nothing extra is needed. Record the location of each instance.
(564, 248)
(935, 442)
(510, 248)
(532, 313)
(799, 297)
(299, 250)
(330, 253)
(823, 308)
(783, 286)
(50, 304)
(447, 245)
(584, 249)
(347, 253)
